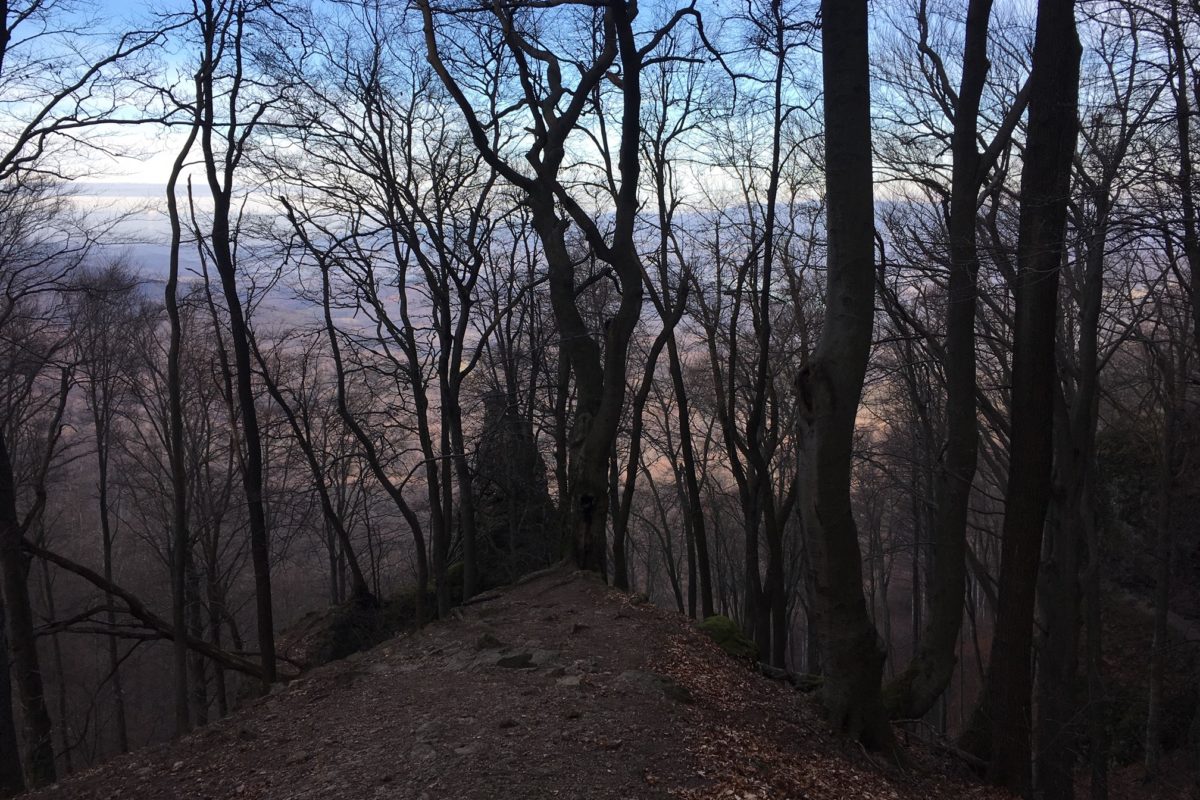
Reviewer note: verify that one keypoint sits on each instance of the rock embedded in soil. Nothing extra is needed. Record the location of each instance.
(487, 641)
(515, 661)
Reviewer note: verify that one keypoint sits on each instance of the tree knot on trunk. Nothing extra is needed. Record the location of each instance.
(814, 392)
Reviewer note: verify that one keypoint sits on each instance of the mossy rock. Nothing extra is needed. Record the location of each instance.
(729, 637)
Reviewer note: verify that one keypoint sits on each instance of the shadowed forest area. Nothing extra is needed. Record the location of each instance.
(865, 336)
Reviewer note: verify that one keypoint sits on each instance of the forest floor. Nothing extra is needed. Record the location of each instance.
(555, 688)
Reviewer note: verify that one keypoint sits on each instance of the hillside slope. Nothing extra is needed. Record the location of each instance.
(556, 688)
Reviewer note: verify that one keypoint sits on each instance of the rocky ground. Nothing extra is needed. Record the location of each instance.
(556, 688)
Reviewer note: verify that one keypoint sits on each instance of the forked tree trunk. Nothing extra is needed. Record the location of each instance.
(1045, 185)
(691, 481)
(916, 690)
(175, 455)
(830, 387)
(223, 30)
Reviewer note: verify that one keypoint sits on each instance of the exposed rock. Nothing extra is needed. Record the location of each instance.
(515, 516)
(515, 661)
(487, 641)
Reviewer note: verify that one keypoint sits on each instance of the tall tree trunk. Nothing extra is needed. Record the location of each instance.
(830, 387)
(1181, 88)
(916, 690)
(599, 383)
(199, 668)
(776, 591)
(1045, 186)
(219, 172)
(179, 536)
(1073, 524)
(691, 479)
(466, 499)
(1098, 745)
(59, 668)
(1058, 659)
(14, 570)
(637, 409)
(12, 779)
(252, 472)
(106, 543)
(1162, 590)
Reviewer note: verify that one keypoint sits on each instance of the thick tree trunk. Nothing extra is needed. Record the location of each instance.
(830, 387)
(1072, 529)
(439, 528)
(599, 384)
(22, 640)
(12, 779)
(1045, 184)
(1058, 659)
(1098, 745)
(757, 610)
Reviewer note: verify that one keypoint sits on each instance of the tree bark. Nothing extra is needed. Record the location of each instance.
(175, 450)
(12, 779)
(219, 171)
(1045, 185)
(599, 373)
(830, 387)
(916, 690)
(22, 639)
(1186, 170)
(691, 480)
(1162, 587)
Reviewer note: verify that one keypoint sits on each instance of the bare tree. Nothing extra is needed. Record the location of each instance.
(1045, 184)
(830, 386)
(556, 112)
(229, 109)
(106, 312)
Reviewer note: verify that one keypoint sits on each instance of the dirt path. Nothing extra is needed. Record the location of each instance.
(558, 688)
